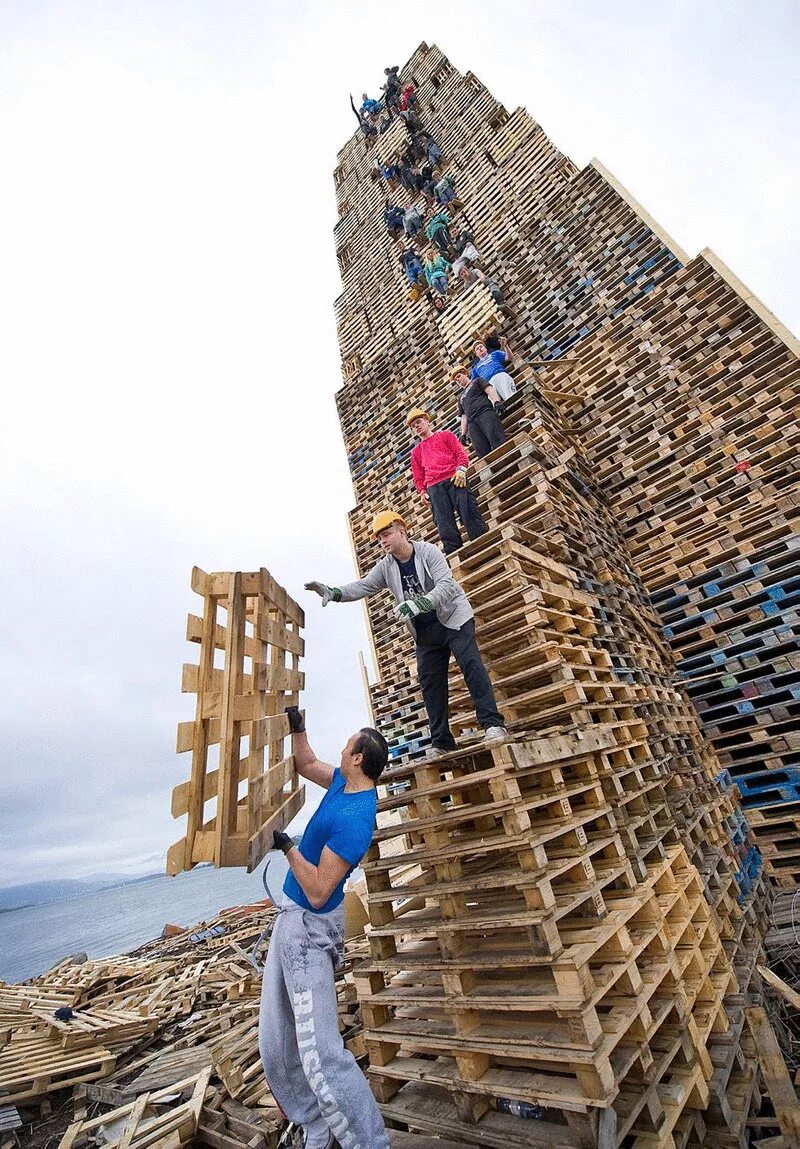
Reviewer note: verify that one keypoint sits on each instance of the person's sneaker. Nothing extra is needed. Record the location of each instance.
(436, 752)
(495, 734)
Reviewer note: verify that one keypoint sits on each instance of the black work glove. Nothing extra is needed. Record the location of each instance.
(297, 723)
(463, 439)
(281, 841)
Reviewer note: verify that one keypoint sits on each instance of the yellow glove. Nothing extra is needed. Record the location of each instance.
(460, 477)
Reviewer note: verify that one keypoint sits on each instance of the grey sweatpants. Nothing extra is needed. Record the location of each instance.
(314, 1079)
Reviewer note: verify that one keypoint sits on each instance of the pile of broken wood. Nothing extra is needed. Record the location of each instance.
(161, 1048)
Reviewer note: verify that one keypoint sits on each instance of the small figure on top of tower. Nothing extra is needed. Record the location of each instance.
(411, 119)
(433, 151)
(437, 230)
(408, 98)
(465, 249)
(437, 612)
(439, 468)
(490, 365)
(425, 181)
(369, 107)
(363, 121)
(388, 172)
(436, 269)
(413, 221)
(469, 275)
(391, 89)
(413, 271)
(393, 218)
(445, 190)
(479, 408)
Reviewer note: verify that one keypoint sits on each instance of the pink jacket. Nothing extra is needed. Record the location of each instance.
(437, 458)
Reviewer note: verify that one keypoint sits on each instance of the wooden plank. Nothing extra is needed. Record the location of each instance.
(777, 983)
(776, 1075)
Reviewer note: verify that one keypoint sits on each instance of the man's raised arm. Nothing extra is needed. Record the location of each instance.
(370, 584)
(306, 763)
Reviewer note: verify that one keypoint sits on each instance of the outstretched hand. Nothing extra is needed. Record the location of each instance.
(324, 592)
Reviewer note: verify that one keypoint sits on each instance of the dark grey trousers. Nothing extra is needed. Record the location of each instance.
(446, 501)
(485, 432)
(435, 644)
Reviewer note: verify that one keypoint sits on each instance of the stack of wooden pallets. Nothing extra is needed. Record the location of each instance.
(697, 454)
(570, 921)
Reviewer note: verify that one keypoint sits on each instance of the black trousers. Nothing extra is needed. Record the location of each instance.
(442, 240)
(446, 500)
(435, 644)
(485, 432)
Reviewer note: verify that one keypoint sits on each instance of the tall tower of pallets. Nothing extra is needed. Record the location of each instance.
(570, 920)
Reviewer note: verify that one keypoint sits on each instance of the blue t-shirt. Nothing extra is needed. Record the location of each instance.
(412, 588)
(493, 364)
(345, 824)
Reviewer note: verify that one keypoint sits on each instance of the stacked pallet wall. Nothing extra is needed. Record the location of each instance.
(592, 883)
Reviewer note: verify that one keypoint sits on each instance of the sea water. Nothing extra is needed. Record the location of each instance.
(113, 921)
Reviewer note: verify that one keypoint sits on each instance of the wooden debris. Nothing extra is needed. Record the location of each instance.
(190, 1074)
(786, 991)
(776, 1076)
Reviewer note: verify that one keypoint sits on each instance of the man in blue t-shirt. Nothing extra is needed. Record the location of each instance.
(314, 1079)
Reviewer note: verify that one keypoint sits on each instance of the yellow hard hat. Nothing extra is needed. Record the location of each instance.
(416, 413)
(459, 371)
(385, 519)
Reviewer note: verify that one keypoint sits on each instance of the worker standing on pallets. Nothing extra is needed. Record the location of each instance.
(439, 467)
(314, 1079)
(439, 616)
(478, 408)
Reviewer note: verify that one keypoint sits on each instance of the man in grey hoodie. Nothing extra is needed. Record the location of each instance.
(437, 612)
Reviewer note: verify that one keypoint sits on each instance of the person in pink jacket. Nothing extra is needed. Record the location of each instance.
(439, 466)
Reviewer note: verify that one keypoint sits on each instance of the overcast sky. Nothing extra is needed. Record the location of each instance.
(168, 351)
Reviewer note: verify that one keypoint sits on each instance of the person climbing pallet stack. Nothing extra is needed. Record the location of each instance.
(588, 879)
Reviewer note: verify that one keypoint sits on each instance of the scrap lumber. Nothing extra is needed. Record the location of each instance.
(191, 1074)
(777, 983)
(776, 1076)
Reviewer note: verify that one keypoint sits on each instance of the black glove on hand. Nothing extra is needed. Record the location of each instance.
(297, 723)
(281, 841)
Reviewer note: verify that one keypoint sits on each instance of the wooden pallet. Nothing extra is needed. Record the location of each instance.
(242, 700)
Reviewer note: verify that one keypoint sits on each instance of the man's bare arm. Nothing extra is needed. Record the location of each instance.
(318, 882)
(307, 764)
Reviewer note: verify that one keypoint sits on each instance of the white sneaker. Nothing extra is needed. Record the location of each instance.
(435, 752)
(495, 734)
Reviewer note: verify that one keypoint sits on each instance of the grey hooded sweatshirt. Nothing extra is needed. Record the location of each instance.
(435, 577)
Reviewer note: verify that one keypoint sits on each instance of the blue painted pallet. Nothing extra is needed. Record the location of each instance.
(769, 787)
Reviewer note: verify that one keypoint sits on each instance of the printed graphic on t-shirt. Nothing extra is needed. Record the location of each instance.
(411, 584)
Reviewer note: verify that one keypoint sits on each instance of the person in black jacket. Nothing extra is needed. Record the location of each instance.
(479, 407)
(393, 218)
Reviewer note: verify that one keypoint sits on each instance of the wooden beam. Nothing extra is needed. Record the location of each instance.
(776, 1075)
